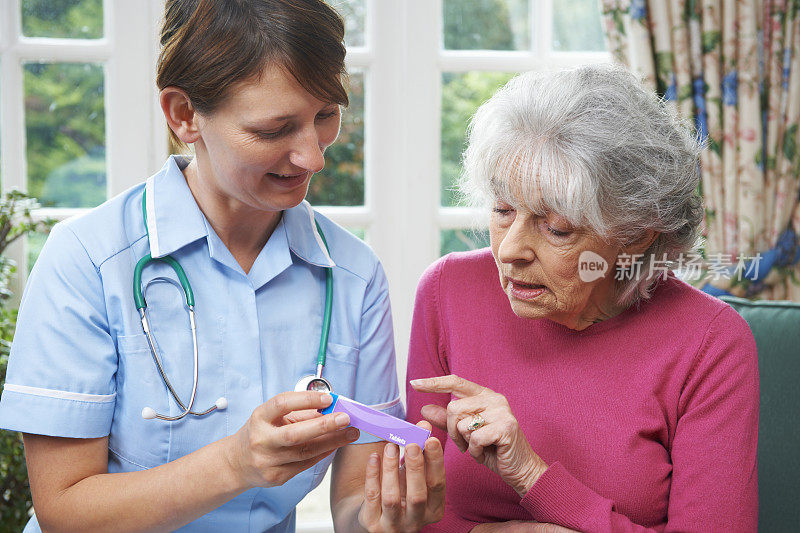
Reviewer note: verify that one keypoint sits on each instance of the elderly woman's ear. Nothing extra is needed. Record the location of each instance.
(640, 245)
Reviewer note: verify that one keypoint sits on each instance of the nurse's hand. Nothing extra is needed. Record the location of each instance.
(286, 436)
(408, 498)
(497, 442)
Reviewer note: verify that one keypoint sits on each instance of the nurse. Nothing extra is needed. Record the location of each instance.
(256, 87)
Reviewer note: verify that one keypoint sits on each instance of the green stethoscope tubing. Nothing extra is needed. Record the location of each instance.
(141, 306)
(326, 317)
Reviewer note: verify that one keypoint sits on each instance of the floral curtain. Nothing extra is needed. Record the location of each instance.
(732, 67)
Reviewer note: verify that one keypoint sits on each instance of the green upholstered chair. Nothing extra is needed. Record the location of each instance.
(776, 328)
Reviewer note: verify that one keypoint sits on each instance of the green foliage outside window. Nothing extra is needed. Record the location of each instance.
(462, 94)
(65, 133)
(461, 240)
(15, 494)
(486, 25)
(73, 19)
(15, 497)
(341, 182)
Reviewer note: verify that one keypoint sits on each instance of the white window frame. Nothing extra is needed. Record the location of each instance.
(402, 61)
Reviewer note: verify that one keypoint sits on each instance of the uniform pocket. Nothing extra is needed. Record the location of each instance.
(133, 343)
(143, 443)
(341, 364)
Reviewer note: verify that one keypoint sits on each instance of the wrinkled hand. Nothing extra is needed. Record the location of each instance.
(499, 444)
(285, 436)
(516, 526)
(404, 499)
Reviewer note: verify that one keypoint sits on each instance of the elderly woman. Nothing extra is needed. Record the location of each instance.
(592, 388)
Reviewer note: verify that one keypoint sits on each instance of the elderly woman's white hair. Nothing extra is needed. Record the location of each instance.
(592, 145)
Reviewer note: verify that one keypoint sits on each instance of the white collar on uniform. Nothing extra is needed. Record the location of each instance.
(174, 219)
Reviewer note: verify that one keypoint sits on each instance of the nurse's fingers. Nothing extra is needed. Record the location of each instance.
(299, 433)
(391, 499)
(284, 403)
(371, 510)
(301, 449)
(416, 488)
(300, 416)
(434, 475)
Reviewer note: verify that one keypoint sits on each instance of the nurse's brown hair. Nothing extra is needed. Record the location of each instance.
(208, 46)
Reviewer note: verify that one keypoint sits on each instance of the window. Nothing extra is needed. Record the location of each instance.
(81, 121)
(77, 104)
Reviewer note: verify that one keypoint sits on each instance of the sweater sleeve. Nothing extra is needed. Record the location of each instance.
(426, 354)
(714, 477)
(714, 469)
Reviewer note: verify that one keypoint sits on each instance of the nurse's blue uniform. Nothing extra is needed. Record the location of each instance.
(80, 365)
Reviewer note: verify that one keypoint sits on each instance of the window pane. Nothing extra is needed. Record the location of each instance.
(461, 240)
(75, 19)
(65, 128)
(341, 182)
(576, 26)
(486, 25)
(462, 94)
(354, 14)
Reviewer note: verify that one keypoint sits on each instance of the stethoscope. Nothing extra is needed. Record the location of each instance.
(311, 382)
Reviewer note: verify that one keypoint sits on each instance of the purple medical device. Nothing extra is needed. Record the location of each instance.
(381, 425)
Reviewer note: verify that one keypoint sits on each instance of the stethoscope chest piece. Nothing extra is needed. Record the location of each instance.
(312, 382)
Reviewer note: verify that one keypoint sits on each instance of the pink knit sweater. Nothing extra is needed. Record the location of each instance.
(648, 421)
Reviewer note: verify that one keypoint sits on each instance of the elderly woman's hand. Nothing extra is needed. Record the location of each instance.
(481, 421)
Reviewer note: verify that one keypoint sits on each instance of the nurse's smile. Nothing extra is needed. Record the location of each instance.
(291, 181)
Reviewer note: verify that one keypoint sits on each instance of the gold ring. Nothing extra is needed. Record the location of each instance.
(477, 422)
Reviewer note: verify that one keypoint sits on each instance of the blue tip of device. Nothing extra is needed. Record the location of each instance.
(329, 409)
